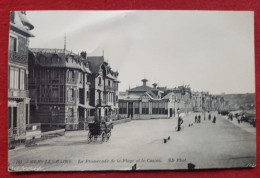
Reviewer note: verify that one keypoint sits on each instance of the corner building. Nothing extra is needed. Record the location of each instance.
(18, 95)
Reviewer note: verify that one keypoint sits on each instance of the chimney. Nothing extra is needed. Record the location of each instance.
(144, 81)
(83, 54)
(154, 85)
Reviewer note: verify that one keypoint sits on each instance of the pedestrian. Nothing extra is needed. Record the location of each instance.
(196, 119)
(209, 117)
(231, 117)
(199, 119)
(180, 122)
(214, 119)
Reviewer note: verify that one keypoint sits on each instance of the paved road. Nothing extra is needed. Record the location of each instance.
(206, 145)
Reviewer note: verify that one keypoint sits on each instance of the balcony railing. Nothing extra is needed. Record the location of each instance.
(18, 93)
(71, 80)
(71, 99)
(17, 57)
(110, 88)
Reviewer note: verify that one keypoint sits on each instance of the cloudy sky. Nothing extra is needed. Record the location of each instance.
(210, 51)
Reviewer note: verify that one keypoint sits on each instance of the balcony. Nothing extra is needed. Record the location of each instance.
(71, 80)
(71, 99)
(16, 93)
(18, 58)
(110, 88)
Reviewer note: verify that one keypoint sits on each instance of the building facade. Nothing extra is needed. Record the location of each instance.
(145, 102)
(103, 89)
(18, 95)
(59, 84)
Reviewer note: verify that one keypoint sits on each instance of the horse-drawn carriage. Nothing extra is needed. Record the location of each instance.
(99, 130)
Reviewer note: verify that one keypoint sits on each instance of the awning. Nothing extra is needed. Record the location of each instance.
(86, 106)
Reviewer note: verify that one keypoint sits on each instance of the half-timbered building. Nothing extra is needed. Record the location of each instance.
(59, 84)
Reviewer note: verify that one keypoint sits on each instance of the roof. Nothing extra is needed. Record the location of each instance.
(141, 88)
(129, 97)
(95, 63)
(169, 95)
(58, 58)
(21, 24)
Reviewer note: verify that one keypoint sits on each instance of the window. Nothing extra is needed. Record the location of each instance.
(71, 94)
(16, 78)
(70, 112)
(122, 107)
(99, 81)
(145, 108)
(108, 82)
(56, 74)
(11, 77)
(27, 114)
(13, 44)
(87, 95)
(22, 76)
(136, 108)
(159, 108)
(80, 77)
(88, 78)
(55, 93)
(71, 74)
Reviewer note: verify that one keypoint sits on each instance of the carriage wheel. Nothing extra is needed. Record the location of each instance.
(90, 137)
(103, 137)
(108, 136)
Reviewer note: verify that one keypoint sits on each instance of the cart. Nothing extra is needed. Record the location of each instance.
(99, 130)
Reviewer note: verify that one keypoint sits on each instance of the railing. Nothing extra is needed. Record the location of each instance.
(16, 57)
(71, 99)
(110, 88)
(13, 131)
(18, 93)
(71, 80)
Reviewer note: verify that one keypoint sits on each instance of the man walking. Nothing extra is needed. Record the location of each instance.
(214, 119)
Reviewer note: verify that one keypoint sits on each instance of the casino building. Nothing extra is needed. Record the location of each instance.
(18, 95)
(145, 102)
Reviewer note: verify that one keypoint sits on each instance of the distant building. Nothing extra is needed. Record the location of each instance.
(145, 102)
(18, 96)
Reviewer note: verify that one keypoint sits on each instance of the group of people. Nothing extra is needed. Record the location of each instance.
(198, 119)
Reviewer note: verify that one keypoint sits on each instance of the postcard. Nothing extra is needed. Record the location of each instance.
(131, 90)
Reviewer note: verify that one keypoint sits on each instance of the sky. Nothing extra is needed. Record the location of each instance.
(208, 50)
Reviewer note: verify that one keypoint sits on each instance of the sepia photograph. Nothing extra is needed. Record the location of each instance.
(129, 90)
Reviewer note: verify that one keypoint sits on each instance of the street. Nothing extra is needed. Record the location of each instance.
(224, 144)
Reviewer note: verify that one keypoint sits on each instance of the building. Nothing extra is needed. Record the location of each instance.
(59, 84)
(18, 95)
(103, 89)
(145, 102)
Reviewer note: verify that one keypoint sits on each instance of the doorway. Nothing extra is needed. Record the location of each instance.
(130, 109)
